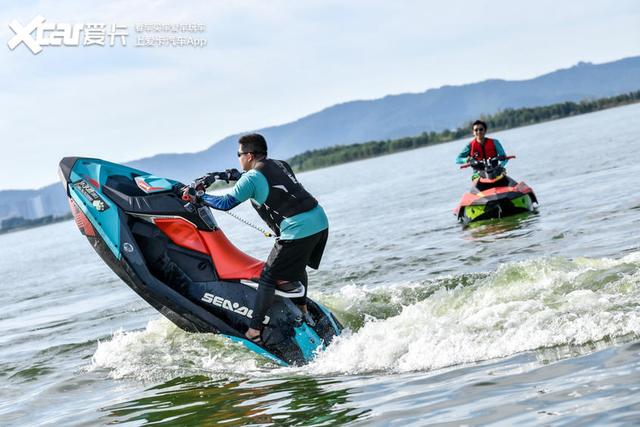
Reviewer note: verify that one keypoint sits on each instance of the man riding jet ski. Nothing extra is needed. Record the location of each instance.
(493, 194)
(481, 147)
(293, 214)
(174, 255)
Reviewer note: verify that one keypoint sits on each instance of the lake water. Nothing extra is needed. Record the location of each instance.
(526, 321)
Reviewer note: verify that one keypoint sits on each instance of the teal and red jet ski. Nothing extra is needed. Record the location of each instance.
(493, 193)
(174, 255)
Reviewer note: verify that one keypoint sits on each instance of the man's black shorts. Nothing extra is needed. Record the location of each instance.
(289, 258)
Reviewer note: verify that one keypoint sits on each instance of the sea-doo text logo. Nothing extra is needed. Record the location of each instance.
(228, 305)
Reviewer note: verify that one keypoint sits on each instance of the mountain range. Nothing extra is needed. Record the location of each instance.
(393, 116)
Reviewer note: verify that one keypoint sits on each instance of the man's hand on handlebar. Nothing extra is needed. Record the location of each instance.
(233, 174)
(228, 175)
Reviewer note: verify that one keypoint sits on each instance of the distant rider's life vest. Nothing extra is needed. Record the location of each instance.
(483, 151)
(287, 197)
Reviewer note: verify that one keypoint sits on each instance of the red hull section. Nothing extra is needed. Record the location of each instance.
(182, 233)
(81, 219)
(469, 198)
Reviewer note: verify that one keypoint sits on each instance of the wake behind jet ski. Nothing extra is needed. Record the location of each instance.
(493, 194)
(177, 259)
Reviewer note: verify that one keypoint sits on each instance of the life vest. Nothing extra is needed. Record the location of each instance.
(483, 151)
(287, 197)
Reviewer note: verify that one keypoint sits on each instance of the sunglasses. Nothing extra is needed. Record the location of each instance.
(479, 130)
(240, 153)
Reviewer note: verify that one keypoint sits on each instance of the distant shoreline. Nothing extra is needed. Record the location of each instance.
(506, 119)
(19, 223)
(325, 157)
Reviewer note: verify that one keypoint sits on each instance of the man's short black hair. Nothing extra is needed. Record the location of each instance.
(253, 143)
(479, 122)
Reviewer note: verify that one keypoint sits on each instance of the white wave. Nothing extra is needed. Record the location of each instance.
(373, 302)
(162, 351)
(522, 306)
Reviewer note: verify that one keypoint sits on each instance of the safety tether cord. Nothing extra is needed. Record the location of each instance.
(250, 224)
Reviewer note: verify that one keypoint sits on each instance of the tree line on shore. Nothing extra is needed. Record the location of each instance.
(19, 223)
(505, 119)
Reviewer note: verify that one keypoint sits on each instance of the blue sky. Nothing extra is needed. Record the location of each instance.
(268, 63)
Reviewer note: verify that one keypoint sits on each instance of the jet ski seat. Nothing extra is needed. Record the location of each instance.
(231, 263)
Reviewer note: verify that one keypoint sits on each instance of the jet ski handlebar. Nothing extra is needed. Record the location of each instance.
(208, 179)
(194, 191)
(498, 158)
